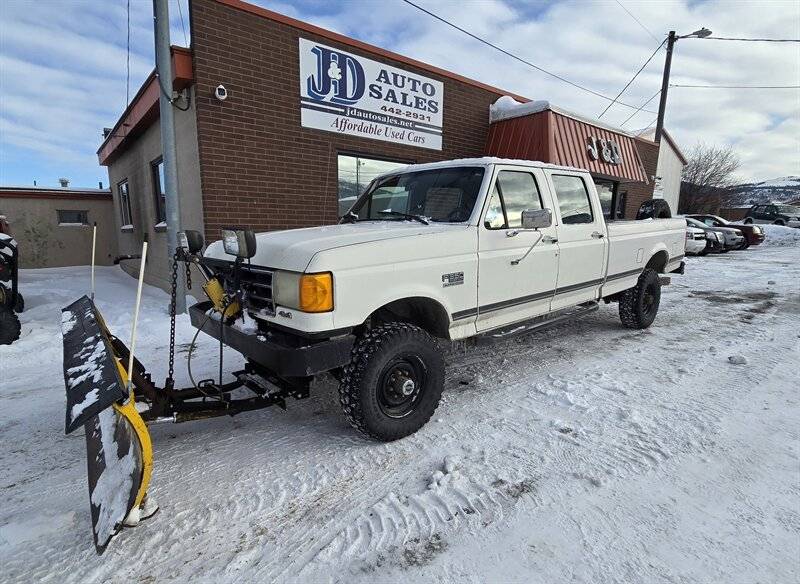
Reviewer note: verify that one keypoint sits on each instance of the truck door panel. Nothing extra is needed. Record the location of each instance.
(510, 292)
(582, 240)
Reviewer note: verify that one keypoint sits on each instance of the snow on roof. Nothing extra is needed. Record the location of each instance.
(37, 188)
(506, 107)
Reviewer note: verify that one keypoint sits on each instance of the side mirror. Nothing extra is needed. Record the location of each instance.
(191, 240)
(537, 218)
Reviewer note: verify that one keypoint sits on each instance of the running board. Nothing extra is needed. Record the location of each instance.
(538, 323)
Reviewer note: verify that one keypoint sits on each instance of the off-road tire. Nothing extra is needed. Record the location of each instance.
(361, 382)
(634, 310)
(9, 326)
(19, 305)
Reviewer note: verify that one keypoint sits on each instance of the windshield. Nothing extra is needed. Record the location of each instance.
(446, 195)
(788, 210)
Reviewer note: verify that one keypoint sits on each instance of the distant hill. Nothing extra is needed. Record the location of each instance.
(779, 190)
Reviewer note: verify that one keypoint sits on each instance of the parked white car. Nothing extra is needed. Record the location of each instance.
(695, 241)
(448, 250)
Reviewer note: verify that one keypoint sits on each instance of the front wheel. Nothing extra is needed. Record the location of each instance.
(638, 306)
(394, 381)
(747, 221)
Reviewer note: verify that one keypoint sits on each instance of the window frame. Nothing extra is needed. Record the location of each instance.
(155, 178)
(557, 202)
(125, 205)
(490, 194)
(82, 223)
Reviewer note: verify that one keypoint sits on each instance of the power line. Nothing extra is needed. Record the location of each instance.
(713, 38)
(520, 59)
(639, 22)
(183, 26)
(650, 58)
(739, 86)
(656, 94)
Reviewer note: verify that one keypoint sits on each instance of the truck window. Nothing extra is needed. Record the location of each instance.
(573, 199)
(513, 193)
(445, 195)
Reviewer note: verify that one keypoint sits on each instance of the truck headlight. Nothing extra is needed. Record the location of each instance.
(305, 292)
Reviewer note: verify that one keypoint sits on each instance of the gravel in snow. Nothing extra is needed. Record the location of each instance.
(586, 453)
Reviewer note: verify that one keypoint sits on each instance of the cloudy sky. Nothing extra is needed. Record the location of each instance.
(63, 67)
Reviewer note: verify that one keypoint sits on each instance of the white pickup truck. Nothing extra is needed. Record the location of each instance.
(432, 253)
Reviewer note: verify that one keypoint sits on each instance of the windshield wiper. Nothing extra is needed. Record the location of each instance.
(349, 217)
(419, 218)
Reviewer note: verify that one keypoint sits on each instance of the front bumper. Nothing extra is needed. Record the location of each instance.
(284, 354)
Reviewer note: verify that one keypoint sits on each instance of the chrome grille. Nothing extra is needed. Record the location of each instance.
(257, 286)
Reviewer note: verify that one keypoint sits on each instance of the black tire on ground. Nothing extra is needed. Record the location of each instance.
(394, 381)
(745, 244)
(9, 326)
(703, 253)
(747, 221)
(780, 222)
(638, 306)
(19, 305)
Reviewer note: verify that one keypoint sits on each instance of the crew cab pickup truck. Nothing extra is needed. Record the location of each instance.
(432, 253)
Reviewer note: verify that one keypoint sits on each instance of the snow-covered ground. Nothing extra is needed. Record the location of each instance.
(587, 453)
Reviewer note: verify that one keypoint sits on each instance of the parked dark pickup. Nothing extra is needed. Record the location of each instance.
(753, 234)
(788, 215)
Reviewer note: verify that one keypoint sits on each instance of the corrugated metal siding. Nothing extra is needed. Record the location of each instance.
(551, 137)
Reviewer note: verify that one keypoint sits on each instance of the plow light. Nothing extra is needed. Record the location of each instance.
(239, 242)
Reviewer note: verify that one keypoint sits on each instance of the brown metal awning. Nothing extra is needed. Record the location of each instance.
(557, 138)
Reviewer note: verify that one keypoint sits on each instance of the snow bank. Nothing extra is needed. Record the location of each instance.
(780, 236)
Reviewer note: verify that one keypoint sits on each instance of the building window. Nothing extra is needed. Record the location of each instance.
(573, 199)
(70, 217)
(159, 192)
(125, 205)
(355, 174)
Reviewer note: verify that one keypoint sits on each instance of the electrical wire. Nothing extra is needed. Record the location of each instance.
(713, 38)
(738, 86)
(639, 22)
(517, 58)
(640, 108)
(628, 84)
(183, 26)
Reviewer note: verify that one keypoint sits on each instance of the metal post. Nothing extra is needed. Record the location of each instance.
(169, 152)
(662, 105)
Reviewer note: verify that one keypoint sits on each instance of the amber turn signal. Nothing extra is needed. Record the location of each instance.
(316, 292)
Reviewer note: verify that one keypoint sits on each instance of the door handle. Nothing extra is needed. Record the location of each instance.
(512, 233)
(550, 239)
(598, 235)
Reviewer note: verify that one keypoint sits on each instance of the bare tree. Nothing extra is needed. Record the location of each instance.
(707, 178)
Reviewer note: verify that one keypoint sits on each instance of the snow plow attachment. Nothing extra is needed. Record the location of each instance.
(118, 448)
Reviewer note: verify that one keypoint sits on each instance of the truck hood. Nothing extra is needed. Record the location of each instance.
(294, 249)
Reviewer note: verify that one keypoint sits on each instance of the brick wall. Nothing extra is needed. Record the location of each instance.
(259, 167)
(637, 193)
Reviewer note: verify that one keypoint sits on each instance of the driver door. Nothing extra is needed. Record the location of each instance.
(510, 292)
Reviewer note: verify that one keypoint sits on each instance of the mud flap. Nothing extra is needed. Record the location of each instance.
(118, 450)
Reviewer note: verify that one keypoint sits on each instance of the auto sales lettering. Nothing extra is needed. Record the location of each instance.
(345, 93)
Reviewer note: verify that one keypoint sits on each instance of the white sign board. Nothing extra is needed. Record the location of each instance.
(344, 93)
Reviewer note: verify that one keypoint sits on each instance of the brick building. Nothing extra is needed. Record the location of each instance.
(309, 118)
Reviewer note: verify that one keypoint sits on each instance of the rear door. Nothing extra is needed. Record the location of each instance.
(509, 292)
(581, 239)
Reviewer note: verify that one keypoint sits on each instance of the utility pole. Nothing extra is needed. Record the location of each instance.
(168, 149)
(662, 104)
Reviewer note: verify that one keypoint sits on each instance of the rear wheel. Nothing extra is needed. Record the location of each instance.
(747, 221)
(394, 381)
(9, 326)
(780, 222)
(638, 306)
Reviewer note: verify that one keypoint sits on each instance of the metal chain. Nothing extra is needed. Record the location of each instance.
(188, 276)
(170, 382)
